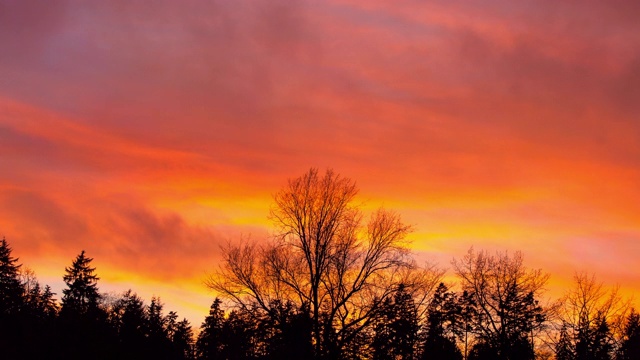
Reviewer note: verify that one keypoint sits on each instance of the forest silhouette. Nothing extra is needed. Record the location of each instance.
(332, 283)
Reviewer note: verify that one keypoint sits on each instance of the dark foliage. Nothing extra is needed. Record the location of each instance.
(86, 326)
(564, 348)
(594, 342)
(282, 333)
(90, 325)
(443, 314)
(11, 301)
(396, 328)
(630, 347)
(11, 290)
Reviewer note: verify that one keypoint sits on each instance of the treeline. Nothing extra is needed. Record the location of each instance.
(350, 287)
(500, 319)
(330, 284)
(85, 324)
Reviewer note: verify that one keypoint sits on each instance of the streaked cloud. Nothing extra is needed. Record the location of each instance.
(151, 135)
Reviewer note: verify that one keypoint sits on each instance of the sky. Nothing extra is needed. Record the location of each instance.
(152, 135)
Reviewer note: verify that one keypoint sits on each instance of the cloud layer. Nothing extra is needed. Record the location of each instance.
(151, 135)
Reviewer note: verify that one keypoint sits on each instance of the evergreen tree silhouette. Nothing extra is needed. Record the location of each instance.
(11, 303)
(240, 335)
(594, 340)
(41, 303)
(396, 329)
(81, 295)
(157, 330)
(466, 312)
(630, 346)
(182, 340)
(507, 314)
(442, 315)
(11, 289)
(128, 318)
(288, 331)
(564, 347)
(209, 345)
(85, 331)
(38, 321)
(603, 343)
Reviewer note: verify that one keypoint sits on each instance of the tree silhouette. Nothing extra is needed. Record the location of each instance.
(241, 336)
(564, 347)
(182, 340)
(11, 289)
(507, 311)
(81, 295)
(209, 345)
(396, 327)
(127, 316)
(466, 312)
(588, 310)
(157, 330)
(41, 303)
(323, 257)
(442, 316)
(84, 327)
(630, 345)
(38, 321)
(289, 331)
(11, 303)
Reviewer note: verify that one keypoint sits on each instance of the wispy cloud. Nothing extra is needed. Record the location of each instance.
(150, 135)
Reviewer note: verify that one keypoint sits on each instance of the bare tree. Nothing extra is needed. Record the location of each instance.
(593, 316)
(324, 257)
(505, 296)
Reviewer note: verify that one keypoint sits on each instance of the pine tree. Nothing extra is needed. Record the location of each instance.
(442, 314)
(564, 347)
(630, 347)
(40, 303)
(81, 295)
(11, 289)
(159, 329)
(155, 320)
(593, 340)
(83, 325)
(466, 312)
(11, 303)
(128, 319)
(396, 329)
(289, 331)
(183, 340)
(240, 335)
(209, 344)
(602, 341)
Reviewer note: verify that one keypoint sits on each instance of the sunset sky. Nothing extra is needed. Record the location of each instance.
(150, 135)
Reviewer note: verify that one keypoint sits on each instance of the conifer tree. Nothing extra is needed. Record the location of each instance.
(440, 333)
(209, 344)
(564, 347)
(183, 340)
(81, 295)
(396, 329)
(240, 335)
(11, 289)
(128, 318)
(11, 303)
(156, 322)
(40, 303)
(505, 294)
(83, 325)
(630, 347)
(289, 331)
(466, 312)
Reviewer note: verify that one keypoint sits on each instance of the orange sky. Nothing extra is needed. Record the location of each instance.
(149, 136)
